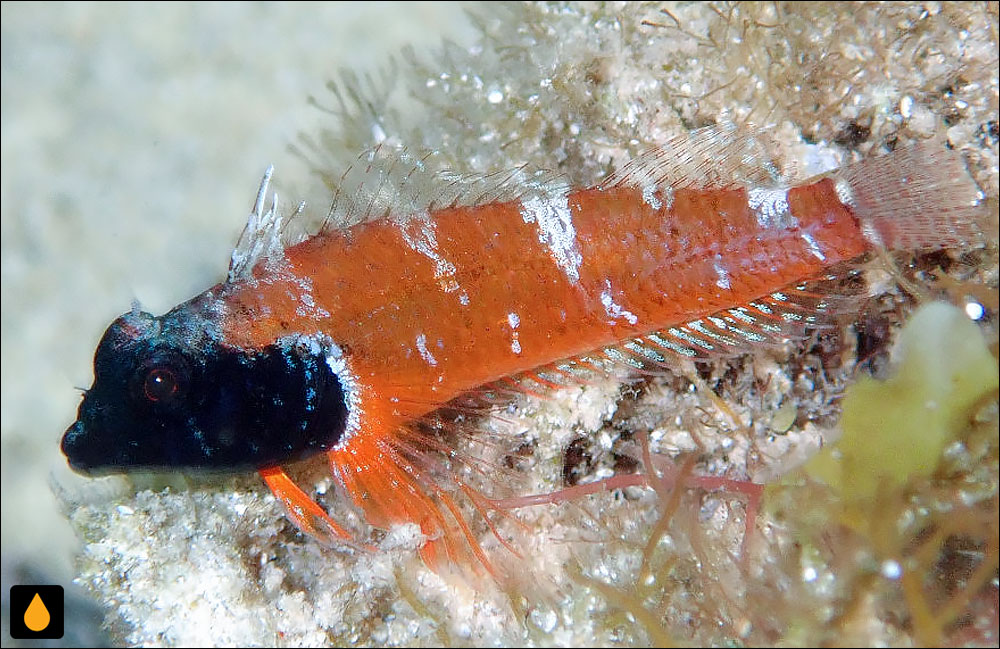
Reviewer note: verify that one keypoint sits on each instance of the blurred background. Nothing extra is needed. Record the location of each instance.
(133, 140)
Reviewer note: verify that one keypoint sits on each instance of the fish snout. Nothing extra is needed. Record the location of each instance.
(74, 447)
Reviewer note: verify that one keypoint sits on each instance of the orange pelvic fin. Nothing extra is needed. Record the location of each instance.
(307, 515)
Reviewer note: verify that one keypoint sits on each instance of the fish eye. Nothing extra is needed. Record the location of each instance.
(162, 380)
(161, 385)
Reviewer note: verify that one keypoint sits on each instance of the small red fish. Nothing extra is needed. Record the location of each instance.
(345, 342)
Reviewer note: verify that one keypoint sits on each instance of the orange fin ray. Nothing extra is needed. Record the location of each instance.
(307, 515)
(429, 455)
(393, 480)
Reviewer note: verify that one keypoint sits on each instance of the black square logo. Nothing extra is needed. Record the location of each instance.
(36, 612)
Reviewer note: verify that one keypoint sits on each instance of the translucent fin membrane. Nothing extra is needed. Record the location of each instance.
(421, 474)
(386, 183)
(771, 320)
(391, 483)
(721, 156)
(918, 197)
(303, 510)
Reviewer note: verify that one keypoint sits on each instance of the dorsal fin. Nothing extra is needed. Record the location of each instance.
(390, 182)
(714, 157)
(386, 182)
(261, 237)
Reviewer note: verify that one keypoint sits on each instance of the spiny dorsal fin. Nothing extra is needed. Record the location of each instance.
(385, 182)
(261, 237)
(391, 183)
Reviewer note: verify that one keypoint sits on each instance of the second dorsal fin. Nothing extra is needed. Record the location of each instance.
(714, 157)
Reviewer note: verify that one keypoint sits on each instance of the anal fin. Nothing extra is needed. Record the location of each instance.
(771, 320)
(768, 321)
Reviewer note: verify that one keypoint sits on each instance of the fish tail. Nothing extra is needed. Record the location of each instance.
(919, 197)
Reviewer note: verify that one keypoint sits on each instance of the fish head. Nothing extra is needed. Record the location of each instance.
(169, 393)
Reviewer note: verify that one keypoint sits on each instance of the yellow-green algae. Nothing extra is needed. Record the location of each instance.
(899, 518)
(898, 429)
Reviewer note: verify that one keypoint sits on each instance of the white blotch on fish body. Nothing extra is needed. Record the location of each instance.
(555, 231)
(424, 352)
(844, 192)
(514, 321)
(649, 196)
(720, 271)
(770, 207)
(339, 365)
(420, 233)
(813, 246)
(614, 310)
(306, 307)
(667, 194)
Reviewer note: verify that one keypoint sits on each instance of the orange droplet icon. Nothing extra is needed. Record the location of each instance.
(36, 617)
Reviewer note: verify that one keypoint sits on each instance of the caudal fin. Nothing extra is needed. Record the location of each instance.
(915, 198)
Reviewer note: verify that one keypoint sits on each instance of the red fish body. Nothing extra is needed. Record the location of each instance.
(343, 342)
